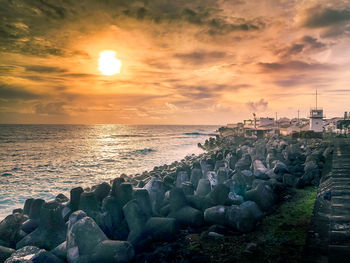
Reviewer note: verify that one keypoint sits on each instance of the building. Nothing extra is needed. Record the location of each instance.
(316, 120)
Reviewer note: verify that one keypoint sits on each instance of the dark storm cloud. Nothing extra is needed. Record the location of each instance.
(200, 57)
(16, 92)
(306, 44)
(293, 65)
(324, 17)
(260, 105)
(44, 69)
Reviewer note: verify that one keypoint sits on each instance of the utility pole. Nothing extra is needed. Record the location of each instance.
(298, 116)
(316, 99)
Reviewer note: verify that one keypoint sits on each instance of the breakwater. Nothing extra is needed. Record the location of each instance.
(225, 191)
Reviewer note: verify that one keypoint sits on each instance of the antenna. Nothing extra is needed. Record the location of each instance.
(316, 99)
(298, 115)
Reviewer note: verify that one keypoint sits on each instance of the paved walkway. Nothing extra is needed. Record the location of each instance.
(329, 236)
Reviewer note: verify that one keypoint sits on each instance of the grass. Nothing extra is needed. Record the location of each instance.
(280, 237)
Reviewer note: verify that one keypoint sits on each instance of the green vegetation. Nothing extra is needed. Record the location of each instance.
(280, 237)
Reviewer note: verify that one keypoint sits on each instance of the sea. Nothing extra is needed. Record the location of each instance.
(41, 161)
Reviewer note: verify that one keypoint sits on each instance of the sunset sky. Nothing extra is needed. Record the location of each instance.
(182, 61)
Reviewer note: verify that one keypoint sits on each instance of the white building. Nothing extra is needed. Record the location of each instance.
(316, 120)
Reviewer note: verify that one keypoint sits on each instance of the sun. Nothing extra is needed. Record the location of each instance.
(108, 64)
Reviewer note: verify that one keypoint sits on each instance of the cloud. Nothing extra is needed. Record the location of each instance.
(45, 69)
(323, 17)
(52, 108)
(293, 66)
(305, 45)
(15, 92)
(260, 105)
(200, 57)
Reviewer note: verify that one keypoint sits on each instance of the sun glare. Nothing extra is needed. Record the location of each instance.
(108, 64)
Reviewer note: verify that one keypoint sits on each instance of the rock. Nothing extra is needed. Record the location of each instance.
(187, 188)
(188, 216)
(213, 178)
(29, 225)
(112, 216)
(124, 193)
(32, 254)
(312, 171)
(143, 199)
(177, 199)
(196, 175)
(115, 185)
(232, 161)
(10, 229)
(35, 208)
(222, 175)
(51, 231)
(75, 198)
(203, 187)
(136, 218)
(215, 215)
(156, 192)
(219, 194)
(219, 164)
(5, 252)
(248, 177)
(61, 198)
(182, 176)
(262, 195)
(101, 191)
(89, 204)
(234, 198)
(161, 228)
(289, 180)
(239, 184)
(250, 248)
(27, 205)
(200, 202)
(280, 168)
(60, 251)
(272, 175)
(83, 236)
(111, 251)
(215, 235)
(243, 217)
(253, 209)
(260, 170)
(243, 163)
(300, 183)
(221, 229)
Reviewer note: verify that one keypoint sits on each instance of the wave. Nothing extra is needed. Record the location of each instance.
(144, 151)
(128, 135)
(199, 134)
(6, 174)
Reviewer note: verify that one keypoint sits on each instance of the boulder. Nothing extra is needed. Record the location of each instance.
(60, 251)
(10, 229)
(156, 190)
(216, 215)
(101, 191)
(280, 168)
(115, 185)
(177, 199)
(260, 170)
(219, 194)
(75, 198)
(222, 175)
(143, 199)
(112, 213)
(5, 252)
(32, 254)
(262, 195)
(89, 204)
(160, 228)
(29, 225)
(289, 180)
(187, 188)
(181, 177)
(83, 236)
(124, 193)
(213, 178)
(203, 187)
(244, 163)
(51, 231)
(188, 216)
(248, 177)
(35, 208)
(196, 175)
(111, 251)
(27, 205)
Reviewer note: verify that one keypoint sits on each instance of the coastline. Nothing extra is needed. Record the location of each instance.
(226, 191)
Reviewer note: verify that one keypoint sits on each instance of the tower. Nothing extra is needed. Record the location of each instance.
(316, 118)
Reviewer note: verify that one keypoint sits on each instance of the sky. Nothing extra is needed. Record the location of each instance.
(183, 61)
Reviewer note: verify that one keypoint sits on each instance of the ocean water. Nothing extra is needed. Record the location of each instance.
(41, 161)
